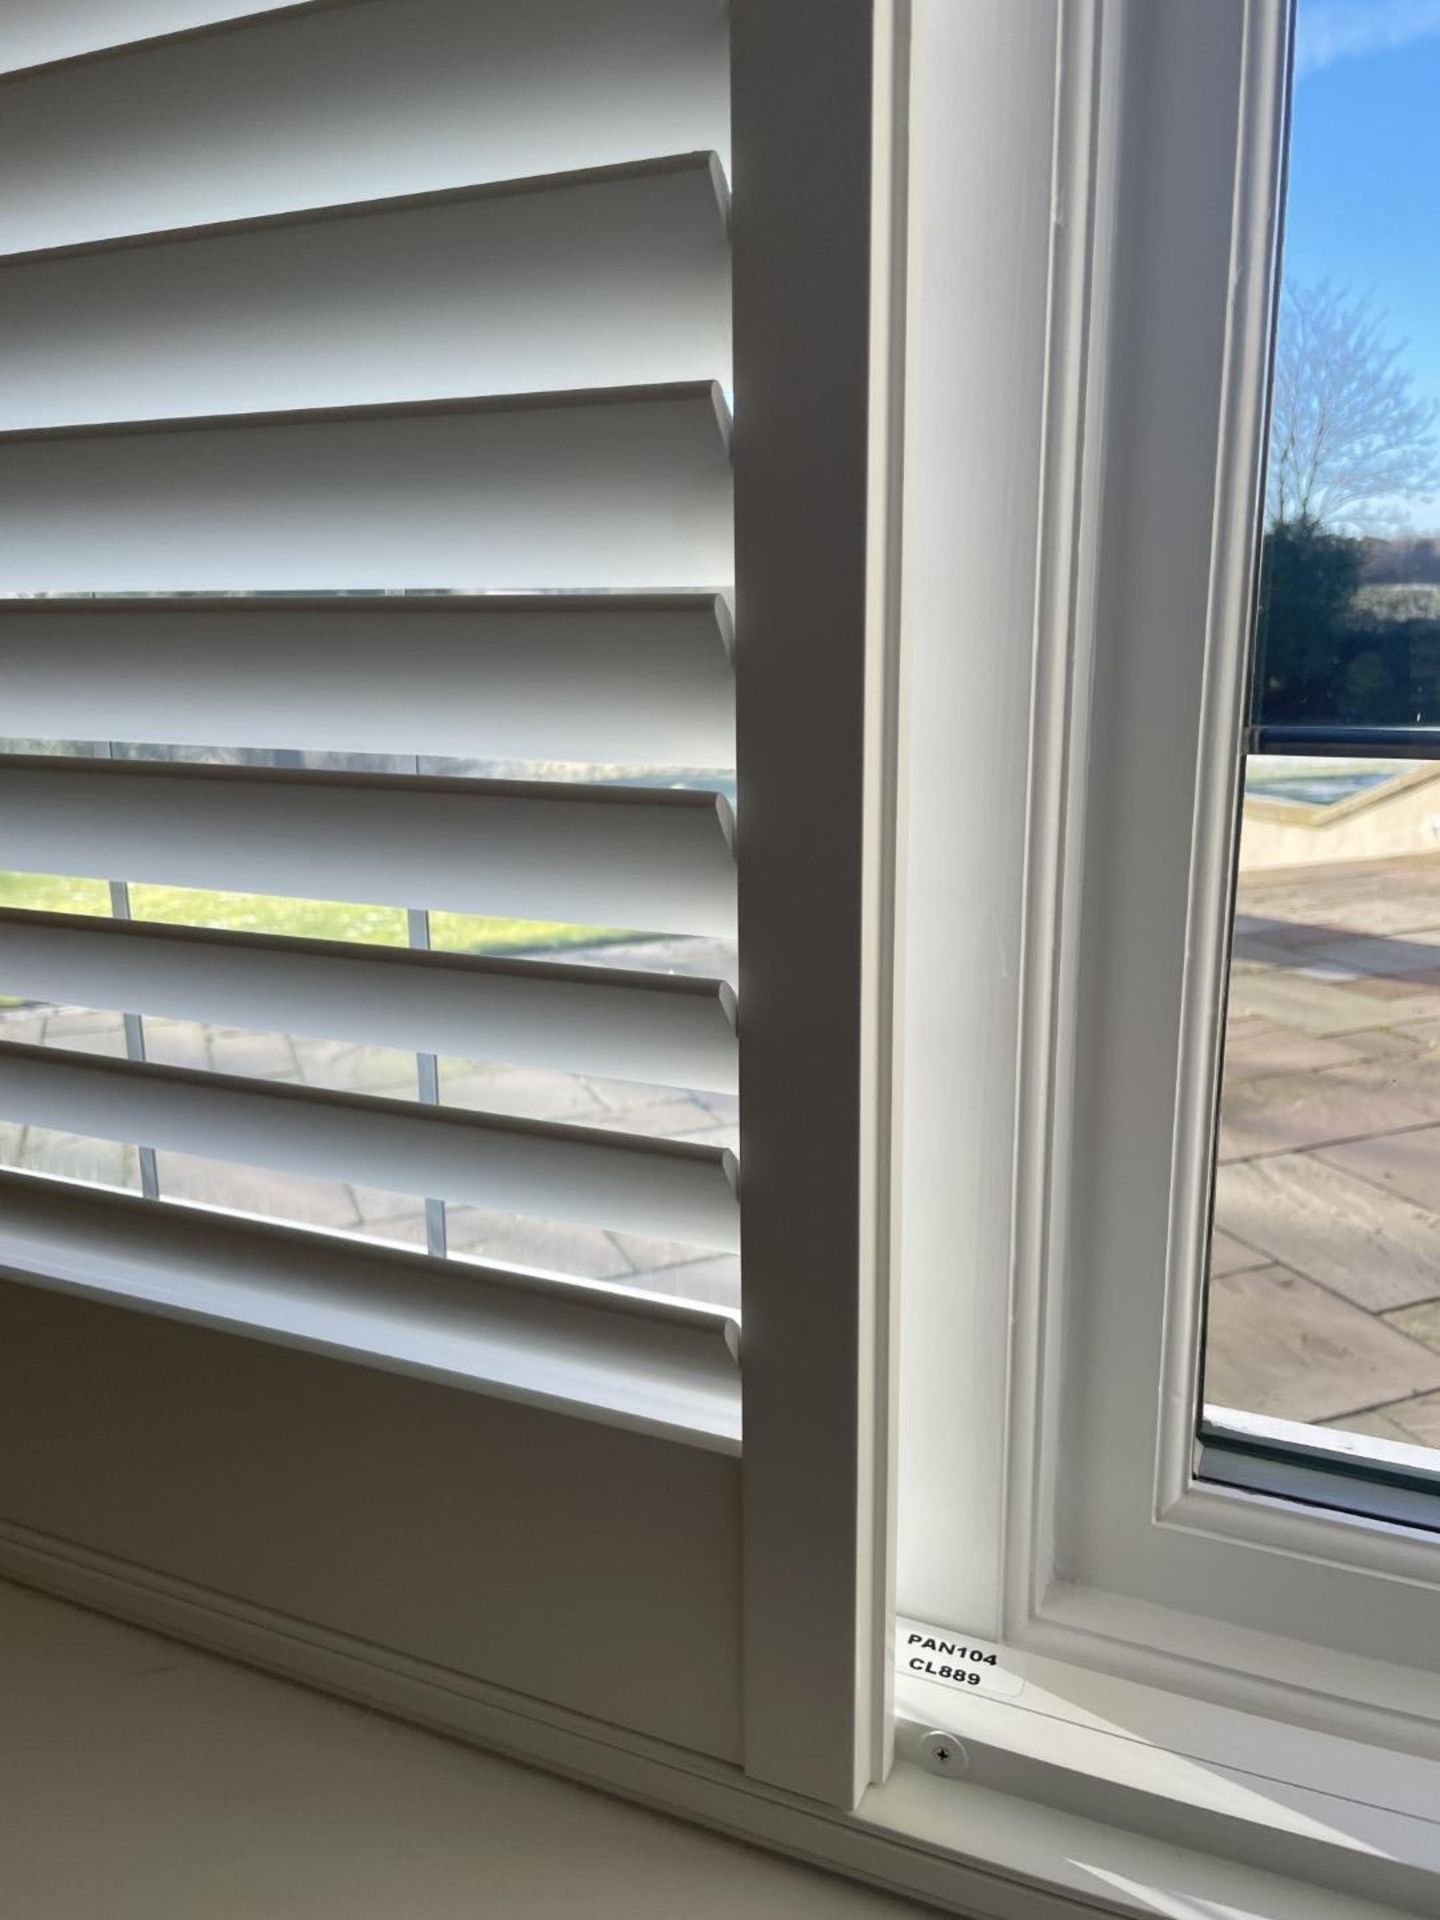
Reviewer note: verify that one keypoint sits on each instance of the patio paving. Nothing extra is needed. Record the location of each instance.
(1325, 1263)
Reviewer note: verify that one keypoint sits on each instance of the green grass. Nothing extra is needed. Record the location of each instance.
(303, 919)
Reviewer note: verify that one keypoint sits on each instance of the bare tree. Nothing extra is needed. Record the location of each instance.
(1349, 439)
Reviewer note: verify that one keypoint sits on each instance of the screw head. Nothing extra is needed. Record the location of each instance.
(944, 1753)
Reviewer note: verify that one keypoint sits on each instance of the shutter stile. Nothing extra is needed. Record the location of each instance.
(412, 445)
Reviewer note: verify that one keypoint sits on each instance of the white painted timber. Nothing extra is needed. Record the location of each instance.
(608, 679)
(632, 857)
(309, 107)
(608, 279)
(660, 1028)
(624, 1358)
(631, 1183)
(32, 31)
(626, 488)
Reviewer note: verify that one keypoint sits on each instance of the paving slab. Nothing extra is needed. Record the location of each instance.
(347, 1067)
(1414, 1422)
(529, 1093)
(81, 1027)
(1376, 953)
(264, 1056)
(1245, 1026)
(1228, 1255)
(391, 1216)
(1407, 1164)
(677, 1118)
(73, 1156)
(1284, 1111)
(1420, 1322)
(177, 1043)
(1277, 1049)
(102, 1034)
(710, 1282)
(1419, 987)
(555, 1246)
(1291, 935)
(1373, 1247)
(1377, 1424)
(1381, 896)
(1315, 1006)
(1280, 1344)
(1423, 1036)
(258, 1190)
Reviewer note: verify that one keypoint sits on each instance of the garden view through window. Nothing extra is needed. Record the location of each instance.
(1324, 1292)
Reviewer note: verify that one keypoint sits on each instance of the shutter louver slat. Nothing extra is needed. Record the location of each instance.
(633, 858)
(314, 1291)
(610, 280)
(661, 1028)
(663, 1189)
(33, 32)
(361, 101)
(584, 680)
(578, 491)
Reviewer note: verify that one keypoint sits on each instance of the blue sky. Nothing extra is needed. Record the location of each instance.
(1364, 201)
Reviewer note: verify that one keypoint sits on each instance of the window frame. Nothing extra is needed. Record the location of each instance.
(1103, 1794)
(1087, 1537)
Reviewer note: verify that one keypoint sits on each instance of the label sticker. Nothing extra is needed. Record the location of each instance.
(957, 1660)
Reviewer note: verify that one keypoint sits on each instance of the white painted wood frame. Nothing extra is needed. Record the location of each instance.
(1070, 1311)
(816, 89)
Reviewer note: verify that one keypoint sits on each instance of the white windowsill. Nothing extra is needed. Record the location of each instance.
(1063, 1811)
(1244, 1794)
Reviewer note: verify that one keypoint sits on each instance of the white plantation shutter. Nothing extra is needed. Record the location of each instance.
(365, 376)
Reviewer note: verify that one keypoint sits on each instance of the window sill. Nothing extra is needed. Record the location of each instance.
(1153, 1772)
(1055, 1816)
(630, 1360)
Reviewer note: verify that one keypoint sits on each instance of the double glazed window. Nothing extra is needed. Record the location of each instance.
(1154, 1423)
(1323, 1326)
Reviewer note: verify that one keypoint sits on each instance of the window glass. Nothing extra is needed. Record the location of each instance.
(1324, 1293)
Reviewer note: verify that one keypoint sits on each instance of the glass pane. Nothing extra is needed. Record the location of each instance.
(1325, 1262)
(1324, 1293)
(1349, 628)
